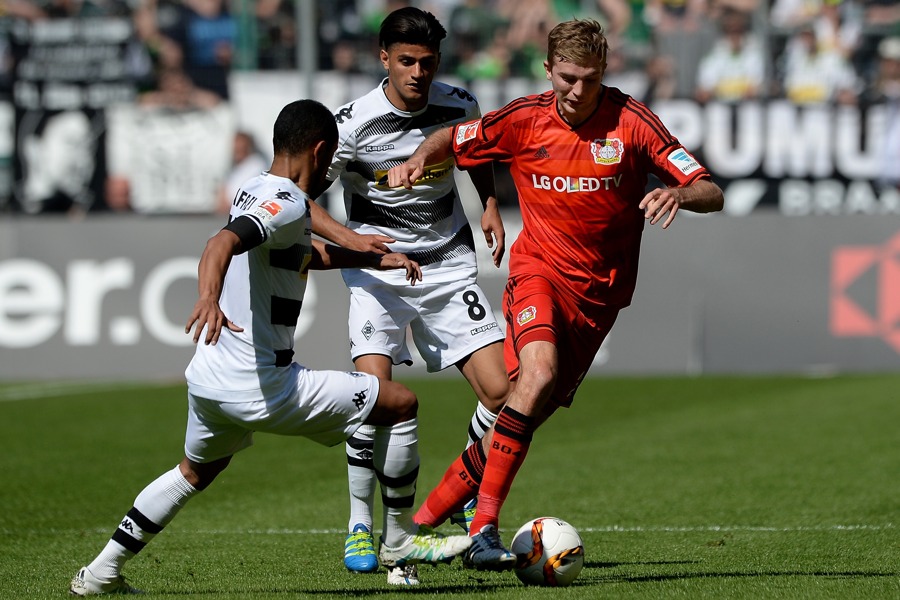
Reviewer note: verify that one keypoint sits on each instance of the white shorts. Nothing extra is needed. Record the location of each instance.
(448, 321)
(325, 406)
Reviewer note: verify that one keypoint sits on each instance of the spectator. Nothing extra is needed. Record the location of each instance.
(275, 34)
(206, 34)
(734, 69)
(683, 34)
(885, 89)
(811, 75)
(247, 161)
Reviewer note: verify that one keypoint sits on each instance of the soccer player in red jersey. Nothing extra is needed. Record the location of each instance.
(580, 155)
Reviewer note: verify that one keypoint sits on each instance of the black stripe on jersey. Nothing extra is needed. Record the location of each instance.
(498, 115)
(285, 311)
(283, 358)
(367, 170)
(460, 244)
(392, 123)
(249, 230)
(409, 216)
(287, 258)
(642, 112)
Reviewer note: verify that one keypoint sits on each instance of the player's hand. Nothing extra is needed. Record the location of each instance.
(396, 260)
(370, 242)
(405, 175)
(492, 226)
(207, 314)
(659, 203)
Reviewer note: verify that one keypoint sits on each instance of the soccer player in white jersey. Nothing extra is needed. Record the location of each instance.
(242, 379)
(449, 316)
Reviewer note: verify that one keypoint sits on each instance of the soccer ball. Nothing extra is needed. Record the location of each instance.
(549, 552)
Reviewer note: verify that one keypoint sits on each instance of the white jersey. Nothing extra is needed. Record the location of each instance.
(429, 222)
(263, 292)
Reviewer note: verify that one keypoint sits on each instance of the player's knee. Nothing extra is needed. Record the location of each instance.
(399, 401)
(540, 379)
(494, 394)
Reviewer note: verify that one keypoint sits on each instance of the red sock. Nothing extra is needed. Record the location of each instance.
(459, 485)
(512, 436)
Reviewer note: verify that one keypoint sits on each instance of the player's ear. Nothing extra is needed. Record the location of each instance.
(385, 58)
(547, 69)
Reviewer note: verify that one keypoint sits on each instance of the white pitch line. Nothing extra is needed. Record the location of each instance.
(60, 389)
(593, 529)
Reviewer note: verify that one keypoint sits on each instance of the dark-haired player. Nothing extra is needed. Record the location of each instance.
(448, 315)
(242, 379)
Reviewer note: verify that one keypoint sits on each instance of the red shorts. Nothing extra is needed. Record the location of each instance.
(536, 310)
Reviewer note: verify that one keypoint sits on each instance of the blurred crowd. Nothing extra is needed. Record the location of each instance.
(181, 52)
(805, 50)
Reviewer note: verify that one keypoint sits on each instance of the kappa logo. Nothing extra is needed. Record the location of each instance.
(345, 114)
(461, 93)
(464, 133)
(542, 153)
(359, 399)
(684, 162)
(526, 315)
(127, 525)
(368, 330)
(608, 151)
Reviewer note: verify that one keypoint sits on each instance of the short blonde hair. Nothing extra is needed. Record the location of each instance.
(577, 41)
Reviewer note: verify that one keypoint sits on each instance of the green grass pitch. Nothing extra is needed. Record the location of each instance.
(711, 487)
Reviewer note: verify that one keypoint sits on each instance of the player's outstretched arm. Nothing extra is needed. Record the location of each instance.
(702, 196)
(435, 148)
(327, 256)
(325, 226)
(491, 223)
(211, 277)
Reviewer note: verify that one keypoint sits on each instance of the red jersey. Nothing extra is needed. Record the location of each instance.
(579, 188)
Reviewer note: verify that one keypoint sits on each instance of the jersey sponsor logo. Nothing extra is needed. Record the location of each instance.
(571, 185)
(269, 206)
(383, 148)
(608, 151)
(683, 161)
(464, 133)
(526, 314)
(345, 114)
(483, 328)
(431, 174)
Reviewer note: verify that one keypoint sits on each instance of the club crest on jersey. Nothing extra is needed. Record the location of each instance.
(526, 315)
(683, 161)
(464, 133)
(268, 209)
(608, 151)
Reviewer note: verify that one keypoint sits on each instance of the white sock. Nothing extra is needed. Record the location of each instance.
(482, 419)
(361, 476)
(153, 509)
(397, 465)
